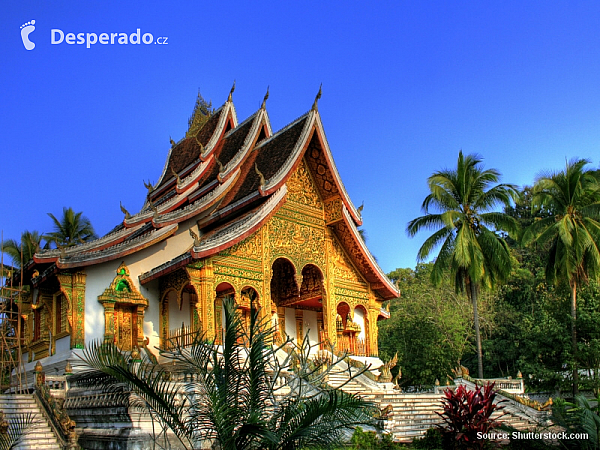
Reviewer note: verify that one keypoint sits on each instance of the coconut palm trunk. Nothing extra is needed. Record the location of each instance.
(474, 294)
(574, 337)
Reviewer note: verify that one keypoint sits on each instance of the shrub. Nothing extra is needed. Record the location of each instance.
(467, 413)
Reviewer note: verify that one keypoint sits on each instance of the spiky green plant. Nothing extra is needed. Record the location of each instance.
(572, 232)
(236, 397)
(578, 418)
(463, 202)
(13, 430)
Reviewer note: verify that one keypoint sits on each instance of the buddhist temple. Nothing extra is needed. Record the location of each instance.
(239, 210)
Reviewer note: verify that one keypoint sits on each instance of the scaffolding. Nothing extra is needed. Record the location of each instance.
(12, 369)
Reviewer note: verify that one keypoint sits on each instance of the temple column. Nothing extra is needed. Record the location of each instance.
(373, 331)
(109, 321)
(202, 279)
(72, 285)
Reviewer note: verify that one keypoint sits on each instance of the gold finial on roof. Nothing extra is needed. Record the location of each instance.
(155, 209)
(314, 106)
(260, 175)
(199, 144)
(196, 237)
(220, 164)
(172, 142)
(176, 175)
(360, 208)
(124, 211)
(149, 186)
(264, 103)
(231, 91)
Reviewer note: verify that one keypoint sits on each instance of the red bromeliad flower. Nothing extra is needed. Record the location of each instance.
(467, 413)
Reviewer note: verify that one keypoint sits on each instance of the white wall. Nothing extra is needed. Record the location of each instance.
(290, 323)
(309, 323)
(359, 319)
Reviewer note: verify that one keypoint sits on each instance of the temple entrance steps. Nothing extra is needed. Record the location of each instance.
(40, 435)
(411, 415)
(338, 378)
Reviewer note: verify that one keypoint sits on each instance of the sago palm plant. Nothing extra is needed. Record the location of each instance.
(234, 395)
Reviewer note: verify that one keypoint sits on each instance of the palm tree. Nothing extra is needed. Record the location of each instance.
(31, 242)
(572, 232)
(467, 229)
(236, 397)
(72, 229)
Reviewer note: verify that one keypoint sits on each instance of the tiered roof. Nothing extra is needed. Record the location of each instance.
(230, 177)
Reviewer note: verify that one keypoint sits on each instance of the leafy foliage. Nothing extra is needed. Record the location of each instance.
(14, 430)
(467, 413)
(579, 417)
(31, 242)
(430, 326)
(72, 229)
(235, 398)
(571, 231)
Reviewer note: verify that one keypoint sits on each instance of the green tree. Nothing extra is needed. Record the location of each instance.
(235, 396)
(429, 328)
(467, 230)
(31, 242)
(572, 232)
(72, 229)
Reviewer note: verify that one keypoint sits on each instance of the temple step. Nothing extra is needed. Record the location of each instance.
(39, 436)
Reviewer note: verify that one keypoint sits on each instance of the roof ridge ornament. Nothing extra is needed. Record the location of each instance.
(199, 144)
(260, 175)
(264, 103)
(231, 91)
(155, 209)
(148, 186)
(221, 167)
(314, 106)
(196, 237)
(124, 211)
(360, 208)
(173, 143)
(176, 175)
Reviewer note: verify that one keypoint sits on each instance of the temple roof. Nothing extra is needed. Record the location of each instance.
(231, 179)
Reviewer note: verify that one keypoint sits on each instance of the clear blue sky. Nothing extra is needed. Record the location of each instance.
(406, 85)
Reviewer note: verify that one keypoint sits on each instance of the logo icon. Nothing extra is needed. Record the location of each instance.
(26, 30)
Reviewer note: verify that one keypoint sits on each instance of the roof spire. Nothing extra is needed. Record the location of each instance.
(260, 175)
(220, 164)
(314, 106)
(231, 91)
(176, 175)
(124, 211)
(264, 103)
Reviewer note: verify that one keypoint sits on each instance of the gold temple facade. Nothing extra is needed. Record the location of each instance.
(239, 211)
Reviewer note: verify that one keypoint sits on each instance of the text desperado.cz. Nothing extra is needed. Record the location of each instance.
(58, 36)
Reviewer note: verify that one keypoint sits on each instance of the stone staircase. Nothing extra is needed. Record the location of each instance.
(413, 414)
(40, 435)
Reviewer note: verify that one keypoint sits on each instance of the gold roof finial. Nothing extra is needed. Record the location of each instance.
(124, 211)
(260, 175)
(231, 91)
(360, 208)
(172, 141)
(199, 144)
(155, 216)
(148, 186)
(221, 167)
(176, 175)
(264, 103)
(314, 106)
(196, 237)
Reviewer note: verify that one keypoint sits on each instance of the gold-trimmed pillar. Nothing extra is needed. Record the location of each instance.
(72, 285)
(202, 280)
